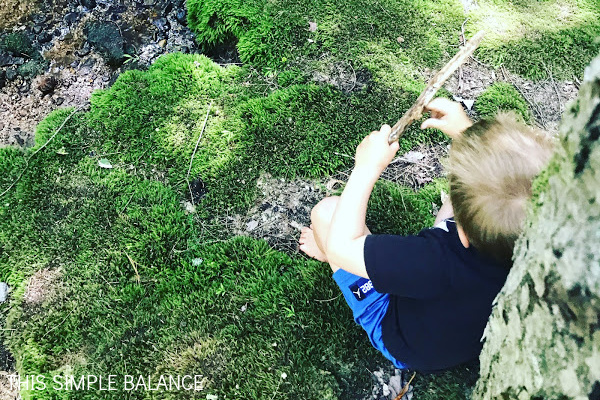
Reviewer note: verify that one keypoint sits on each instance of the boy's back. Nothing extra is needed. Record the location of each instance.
(441, 295)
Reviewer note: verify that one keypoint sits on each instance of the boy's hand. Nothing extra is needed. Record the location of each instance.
(447, 116)
(374, 153)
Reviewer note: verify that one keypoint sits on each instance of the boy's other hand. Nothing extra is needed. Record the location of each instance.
(374, 153)
(447, 116)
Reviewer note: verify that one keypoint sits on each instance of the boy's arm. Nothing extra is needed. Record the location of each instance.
(346, 239)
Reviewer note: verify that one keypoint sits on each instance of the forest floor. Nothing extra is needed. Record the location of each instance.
(122, 222)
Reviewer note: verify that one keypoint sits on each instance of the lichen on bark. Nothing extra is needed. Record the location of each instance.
(543, 337)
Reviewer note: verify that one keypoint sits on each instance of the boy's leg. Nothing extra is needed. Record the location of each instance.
(368, 306)
(313, 240)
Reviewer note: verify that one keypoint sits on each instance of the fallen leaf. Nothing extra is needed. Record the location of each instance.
(469, 103)
(62, 151)
(312, 26)
(250, 226)
(413, 156)
(104, 163)
(197, 261)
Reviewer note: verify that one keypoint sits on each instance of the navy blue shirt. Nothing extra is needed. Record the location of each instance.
(441, 295)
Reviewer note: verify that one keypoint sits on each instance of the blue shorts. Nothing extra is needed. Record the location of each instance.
(368, 308)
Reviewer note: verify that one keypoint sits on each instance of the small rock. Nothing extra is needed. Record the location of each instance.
(84, 50)
(117, 9)
(71, 18)
(162, 24)
(107, 39)
(168, 8)
(11, 74)
(6, 61)
(19, 140)
(89, 63)
(59, 101)
(3, 292)
(41, 18)
(181, 16)
(89, 4)
(386, 390)
(25, 88)
(162, 43)
(47, 84)
(37, 29)
(149, 2)
(44, 37)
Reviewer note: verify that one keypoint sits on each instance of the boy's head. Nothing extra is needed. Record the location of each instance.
(491, 167)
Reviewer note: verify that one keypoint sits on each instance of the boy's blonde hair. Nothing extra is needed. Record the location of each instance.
(491, 167)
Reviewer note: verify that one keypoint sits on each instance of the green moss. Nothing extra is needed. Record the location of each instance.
(134, 265)
(130, 260)
(502, 96)
(19, 44)
(539, 38)
(399, 210)
(539, 186)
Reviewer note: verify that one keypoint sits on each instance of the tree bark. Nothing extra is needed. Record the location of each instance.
(543, 337)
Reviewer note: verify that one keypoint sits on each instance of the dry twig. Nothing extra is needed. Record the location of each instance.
(187, 178)
(406, 387)
(416, 111)
(555, 86)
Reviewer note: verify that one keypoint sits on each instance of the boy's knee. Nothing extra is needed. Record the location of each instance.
(323, 211)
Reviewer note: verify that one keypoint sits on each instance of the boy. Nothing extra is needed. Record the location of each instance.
(424, 300)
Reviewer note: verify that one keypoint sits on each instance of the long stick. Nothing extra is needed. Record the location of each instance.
(416, 111)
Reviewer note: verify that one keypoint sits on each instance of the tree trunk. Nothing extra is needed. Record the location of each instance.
(543, 337)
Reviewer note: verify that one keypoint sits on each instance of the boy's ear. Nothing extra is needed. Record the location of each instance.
(462, 236)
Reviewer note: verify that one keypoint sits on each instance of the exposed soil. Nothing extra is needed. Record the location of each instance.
(281, 209)
(40, 286)
(546, 98)
(85, 45)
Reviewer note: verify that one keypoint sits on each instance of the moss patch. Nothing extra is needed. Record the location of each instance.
(502, 96)
(102, 208)
(537, 38)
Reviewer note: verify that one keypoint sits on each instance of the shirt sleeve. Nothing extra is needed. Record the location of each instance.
(409, 266)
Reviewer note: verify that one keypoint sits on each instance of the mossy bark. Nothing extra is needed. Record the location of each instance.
(543, 337)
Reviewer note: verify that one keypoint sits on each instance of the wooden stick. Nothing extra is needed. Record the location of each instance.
(406, 387)
(416, 111)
